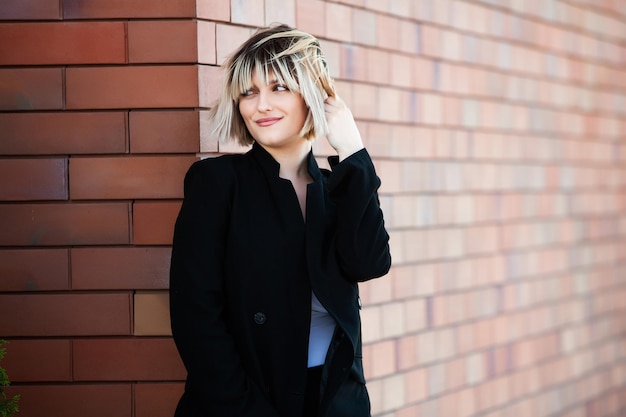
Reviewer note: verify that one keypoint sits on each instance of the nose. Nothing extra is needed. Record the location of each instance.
(263, 103)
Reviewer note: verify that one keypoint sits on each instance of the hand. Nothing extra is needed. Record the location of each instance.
(343, 134)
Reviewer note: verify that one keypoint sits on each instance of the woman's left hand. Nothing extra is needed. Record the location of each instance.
(343, 134)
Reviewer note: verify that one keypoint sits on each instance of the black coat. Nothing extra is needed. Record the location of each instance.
(243, 265)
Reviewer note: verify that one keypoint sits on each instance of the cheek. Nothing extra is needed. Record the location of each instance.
(305, 114)
(303, 109)
(246, 109)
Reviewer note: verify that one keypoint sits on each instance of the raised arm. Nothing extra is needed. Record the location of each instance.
(361, 239)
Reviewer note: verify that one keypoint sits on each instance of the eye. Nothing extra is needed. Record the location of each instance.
(247, 93)
(280, 87)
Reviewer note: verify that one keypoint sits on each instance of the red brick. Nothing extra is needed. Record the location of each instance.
(228, 39)
(283, 11)
(96, 9)
(311, 16)
(63, 133)
(363, 21)
(120, 268)
(388, 32)
(162, 41)
(93, 400)
(164, 131)
(64, 224)
(34, 269)
(353, 65)
(128, 177)
(430, 40)
(62, 43)
(38, 360)
(33, 179)
(247, 12)
(206, 32)
(378, 67)
(338, 22)
(209, 84)
(31, 89)
(132, 87)
(157, 400)
(153, 223)
(65, 314)
(134, 359)
(30, 10)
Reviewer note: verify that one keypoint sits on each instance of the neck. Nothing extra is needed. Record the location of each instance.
(292, 160)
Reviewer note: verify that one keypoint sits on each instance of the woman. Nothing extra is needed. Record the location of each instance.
(268, 248)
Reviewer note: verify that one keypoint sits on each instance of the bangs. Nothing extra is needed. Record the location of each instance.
(270, 63)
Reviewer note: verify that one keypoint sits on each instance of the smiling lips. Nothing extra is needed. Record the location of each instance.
(267, 121)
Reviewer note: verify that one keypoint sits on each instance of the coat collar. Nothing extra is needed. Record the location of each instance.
(272, 167)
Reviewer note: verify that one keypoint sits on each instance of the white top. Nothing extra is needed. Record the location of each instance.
(321, 334)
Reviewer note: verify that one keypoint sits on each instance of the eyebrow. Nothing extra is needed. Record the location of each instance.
(270, 82)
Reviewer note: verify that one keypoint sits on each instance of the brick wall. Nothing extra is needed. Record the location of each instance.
(499, 131)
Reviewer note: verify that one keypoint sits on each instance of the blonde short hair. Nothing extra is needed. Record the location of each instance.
(296, 60)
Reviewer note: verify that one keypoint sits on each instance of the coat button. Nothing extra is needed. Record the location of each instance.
(259, 318)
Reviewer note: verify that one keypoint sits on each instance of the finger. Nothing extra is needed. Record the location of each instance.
(330, 107)
(334, 101)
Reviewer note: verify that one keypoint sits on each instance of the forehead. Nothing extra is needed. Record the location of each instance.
(259, 76)
(264, 74)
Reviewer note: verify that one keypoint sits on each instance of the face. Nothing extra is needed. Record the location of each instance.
(273, 115)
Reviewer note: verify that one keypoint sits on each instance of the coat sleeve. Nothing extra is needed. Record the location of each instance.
(361, 240)
(216, 383)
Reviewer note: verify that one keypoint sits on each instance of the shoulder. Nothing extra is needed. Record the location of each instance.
(217, 172)
(217, 163)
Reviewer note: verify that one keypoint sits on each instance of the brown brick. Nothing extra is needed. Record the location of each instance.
(162, 41)
(38, 360)
(120, 268)
(33, 179)
(96, 9)
(62, 43)
(157, 400)
(228, 38)
(151, 313)
(93, 400)
(30, 10)
(132, 87)
(153, 223)
(64, 224)
(133, 359)
(34, 269)
(164, 131)
(128, 177)
(311, 16)
(65, 314)
(63, 133)
(31, 89)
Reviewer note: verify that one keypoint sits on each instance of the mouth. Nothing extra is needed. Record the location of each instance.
(267, 121)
